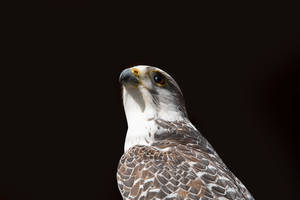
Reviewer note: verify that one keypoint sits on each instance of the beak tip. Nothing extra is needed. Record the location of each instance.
(124, 76)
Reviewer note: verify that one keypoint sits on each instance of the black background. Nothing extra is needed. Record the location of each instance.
(237, 65)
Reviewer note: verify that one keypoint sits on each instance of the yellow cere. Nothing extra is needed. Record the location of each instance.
(136, 72)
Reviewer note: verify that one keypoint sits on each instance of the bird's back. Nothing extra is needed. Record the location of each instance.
(174, 170)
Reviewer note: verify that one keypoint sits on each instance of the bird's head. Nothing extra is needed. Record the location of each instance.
(150, 93)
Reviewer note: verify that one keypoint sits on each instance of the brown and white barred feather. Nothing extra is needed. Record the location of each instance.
(184, 166)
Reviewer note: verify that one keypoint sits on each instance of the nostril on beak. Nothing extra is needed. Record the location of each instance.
(135, 71)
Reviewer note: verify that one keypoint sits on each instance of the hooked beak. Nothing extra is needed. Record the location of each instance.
(129, 76)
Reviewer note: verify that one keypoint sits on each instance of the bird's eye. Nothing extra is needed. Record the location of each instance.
(159, 79)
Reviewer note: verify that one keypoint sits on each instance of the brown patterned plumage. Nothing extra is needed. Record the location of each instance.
(175, 162)
(185, 171)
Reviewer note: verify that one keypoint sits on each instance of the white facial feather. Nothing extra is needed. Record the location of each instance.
(141, 111)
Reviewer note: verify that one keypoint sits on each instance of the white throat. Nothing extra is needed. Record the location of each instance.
(141, 114)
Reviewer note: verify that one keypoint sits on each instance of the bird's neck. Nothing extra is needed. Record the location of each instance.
(141, 117)
(142, 126)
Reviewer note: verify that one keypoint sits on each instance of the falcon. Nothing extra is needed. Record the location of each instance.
(165, 156)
